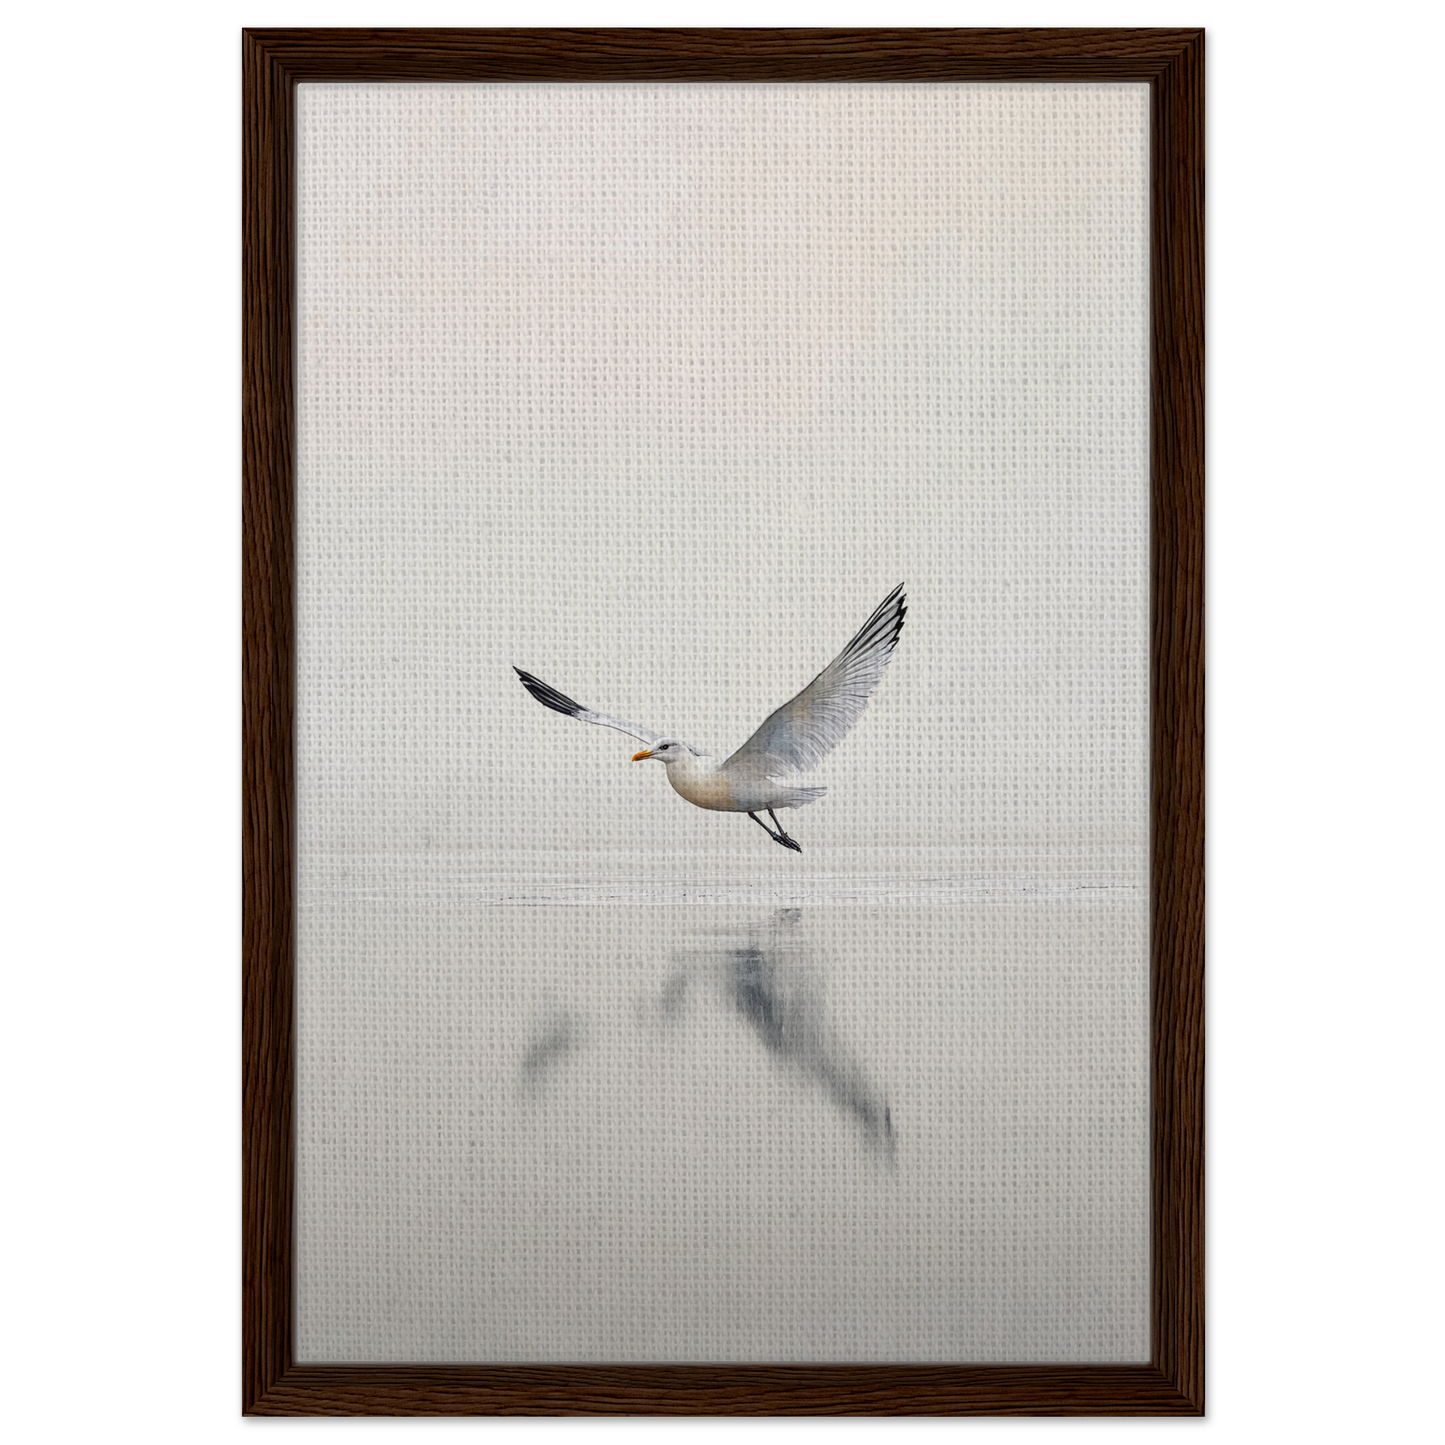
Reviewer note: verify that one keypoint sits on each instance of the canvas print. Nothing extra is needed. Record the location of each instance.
(722, 723)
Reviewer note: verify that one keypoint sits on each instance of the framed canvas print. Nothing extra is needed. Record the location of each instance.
(723, 722)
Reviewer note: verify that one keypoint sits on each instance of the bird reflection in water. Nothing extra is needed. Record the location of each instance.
(553, 1038)
(768, 980)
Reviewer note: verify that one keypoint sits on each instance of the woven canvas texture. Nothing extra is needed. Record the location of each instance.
(655, 392)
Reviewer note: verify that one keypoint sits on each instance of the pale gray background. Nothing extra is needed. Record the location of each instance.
(656, 391)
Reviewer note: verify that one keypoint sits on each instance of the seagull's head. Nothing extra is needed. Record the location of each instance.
(664, 750)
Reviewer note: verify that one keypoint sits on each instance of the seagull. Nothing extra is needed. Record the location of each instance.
(794, 739)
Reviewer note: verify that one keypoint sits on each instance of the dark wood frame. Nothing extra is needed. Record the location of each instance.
(1172, 63)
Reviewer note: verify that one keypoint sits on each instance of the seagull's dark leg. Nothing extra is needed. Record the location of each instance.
(778, 837)
(782, 837)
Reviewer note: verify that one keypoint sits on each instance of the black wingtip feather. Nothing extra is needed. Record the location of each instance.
(884, 626)
(548, 696)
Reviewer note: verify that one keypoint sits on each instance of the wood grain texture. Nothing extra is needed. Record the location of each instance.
(267, 693)
(1176, 600)
(1172, 63)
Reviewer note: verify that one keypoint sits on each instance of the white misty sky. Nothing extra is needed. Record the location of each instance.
(656, 390)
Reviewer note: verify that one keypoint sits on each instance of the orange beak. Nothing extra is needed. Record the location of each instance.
(638, 757)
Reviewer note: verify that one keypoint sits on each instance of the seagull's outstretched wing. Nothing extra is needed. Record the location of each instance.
(550, 697)
(801, 733)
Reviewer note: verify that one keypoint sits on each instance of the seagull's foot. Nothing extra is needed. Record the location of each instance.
(779, 836)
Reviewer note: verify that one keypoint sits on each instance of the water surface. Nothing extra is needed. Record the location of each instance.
(609, 1130)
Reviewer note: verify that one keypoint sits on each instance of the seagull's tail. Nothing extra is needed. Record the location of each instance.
(801, 797)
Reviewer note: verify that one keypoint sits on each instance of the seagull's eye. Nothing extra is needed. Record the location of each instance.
(664, 747)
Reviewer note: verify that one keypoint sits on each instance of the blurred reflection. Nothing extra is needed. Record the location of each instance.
(553, 1039)
(769, 979)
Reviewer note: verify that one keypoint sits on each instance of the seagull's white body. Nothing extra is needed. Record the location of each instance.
(707, 783)
(794, 738)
